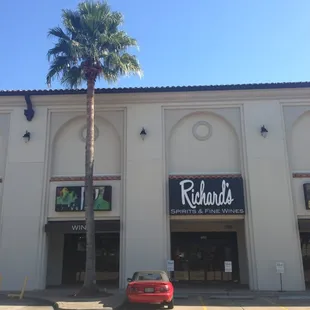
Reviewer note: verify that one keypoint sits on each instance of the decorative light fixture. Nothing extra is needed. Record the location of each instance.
(143, 133)
(263, 131)
(27, 136)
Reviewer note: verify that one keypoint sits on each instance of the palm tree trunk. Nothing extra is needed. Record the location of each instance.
(90, 269)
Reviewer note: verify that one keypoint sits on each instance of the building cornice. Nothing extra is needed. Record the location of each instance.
(283, 95)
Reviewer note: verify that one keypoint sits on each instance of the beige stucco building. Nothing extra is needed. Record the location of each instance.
(205, 185)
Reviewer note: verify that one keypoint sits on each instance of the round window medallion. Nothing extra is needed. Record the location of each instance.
(84, 130)
(202, 130)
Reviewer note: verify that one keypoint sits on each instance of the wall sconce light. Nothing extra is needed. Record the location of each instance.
(143, 133)
(263, 131)
(27, 136)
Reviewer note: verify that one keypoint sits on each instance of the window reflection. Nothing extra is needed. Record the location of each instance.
(107, 258)
(200, 257)
(305, 251)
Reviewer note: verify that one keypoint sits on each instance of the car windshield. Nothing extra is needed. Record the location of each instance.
(149, 276)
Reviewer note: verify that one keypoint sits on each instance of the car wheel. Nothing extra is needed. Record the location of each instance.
(171, 304)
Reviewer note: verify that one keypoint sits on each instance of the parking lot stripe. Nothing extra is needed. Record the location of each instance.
(204, 307)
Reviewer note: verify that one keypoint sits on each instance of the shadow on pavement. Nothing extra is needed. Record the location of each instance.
(178, 304)
(257, 302)
(203, 302)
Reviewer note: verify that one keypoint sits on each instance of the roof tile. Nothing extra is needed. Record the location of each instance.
(254, 86)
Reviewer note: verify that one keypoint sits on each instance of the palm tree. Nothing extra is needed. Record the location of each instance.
(90, 47)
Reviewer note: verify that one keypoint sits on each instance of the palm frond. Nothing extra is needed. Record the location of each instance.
(119, 41)
(93, 16)
(94, 9)
(110, 75)
(116, 20)
(72, 22)
(129, 65)
(59, 65)
(120, 65)
(57, 32)
(63, 47)
(91, 38)
(72, 77)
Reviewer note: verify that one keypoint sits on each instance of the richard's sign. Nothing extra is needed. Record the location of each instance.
(206, 196)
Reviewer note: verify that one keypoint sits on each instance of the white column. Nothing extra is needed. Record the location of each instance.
(145, 211)
(242, 254)
(271, 214)
(22, 201)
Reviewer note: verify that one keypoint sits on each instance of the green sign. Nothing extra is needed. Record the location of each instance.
(72, 198)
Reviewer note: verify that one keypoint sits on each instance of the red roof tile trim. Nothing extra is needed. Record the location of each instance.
(301, 175)
(205, 176)
(96, 178)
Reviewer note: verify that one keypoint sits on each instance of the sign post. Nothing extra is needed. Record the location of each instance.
(228, 266)
(228, 269)
(170, 268)
(170, 265)
(280, 268)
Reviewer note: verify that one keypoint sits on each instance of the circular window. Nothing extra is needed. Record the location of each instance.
(84, 130)
(202, 130)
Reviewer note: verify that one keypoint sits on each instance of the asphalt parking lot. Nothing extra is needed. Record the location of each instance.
(203, 303)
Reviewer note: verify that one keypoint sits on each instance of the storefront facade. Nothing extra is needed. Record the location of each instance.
(218, 177)
(200, 250)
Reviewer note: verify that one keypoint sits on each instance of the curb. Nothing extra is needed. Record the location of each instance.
(117, 307)
(56, 306)
(294, 297)
(36, 299)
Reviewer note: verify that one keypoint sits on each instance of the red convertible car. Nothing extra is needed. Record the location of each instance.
(150, 287)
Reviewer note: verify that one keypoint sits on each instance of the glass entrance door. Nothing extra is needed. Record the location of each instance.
(199, 257)
(305, 251)
(107, 258)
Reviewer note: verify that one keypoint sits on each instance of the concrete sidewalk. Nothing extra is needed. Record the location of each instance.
(63, 299)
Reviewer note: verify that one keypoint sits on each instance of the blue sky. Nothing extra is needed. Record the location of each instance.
(198, 42)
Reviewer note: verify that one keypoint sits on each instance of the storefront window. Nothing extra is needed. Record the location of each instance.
(305, 251)
(107, 258)
(200, 257)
